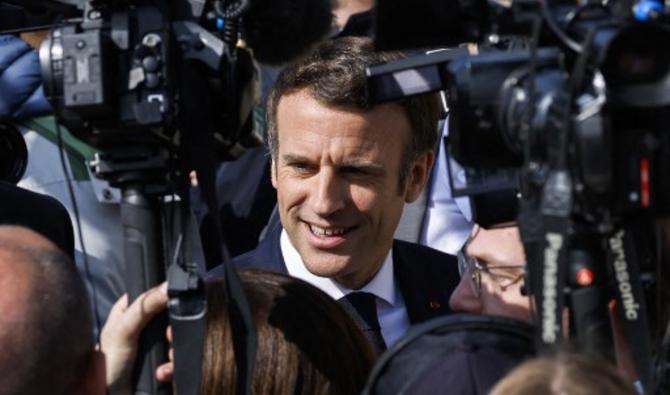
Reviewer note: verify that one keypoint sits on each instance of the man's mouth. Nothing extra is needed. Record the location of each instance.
(327, 237)
(327, 232)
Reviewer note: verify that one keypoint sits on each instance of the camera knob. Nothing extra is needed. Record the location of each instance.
(150, 64)
(152, 80)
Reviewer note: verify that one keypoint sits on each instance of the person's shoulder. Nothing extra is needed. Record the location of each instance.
(247, 260)
(421, 252)
(41, 213)
(266, 256)
(16, 197)
(436, 271)
(238, 261)
(11, 48)
(19, 193)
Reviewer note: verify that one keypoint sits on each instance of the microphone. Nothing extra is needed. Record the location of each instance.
(281, 30)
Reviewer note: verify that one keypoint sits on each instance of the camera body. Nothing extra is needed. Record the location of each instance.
(588, 80)
(559, 123)
(105, 98)
(115, 76)
(510, 108)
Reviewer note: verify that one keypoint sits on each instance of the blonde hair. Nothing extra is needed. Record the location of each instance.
(565, 374)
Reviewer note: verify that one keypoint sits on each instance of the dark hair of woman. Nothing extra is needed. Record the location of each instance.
(306, 343)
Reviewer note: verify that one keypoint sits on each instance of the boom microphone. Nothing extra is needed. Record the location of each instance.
(281, 30)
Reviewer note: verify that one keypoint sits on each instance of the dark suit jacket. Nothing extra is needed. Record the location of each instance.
(41, 213)
(245, 199)
(426, 277)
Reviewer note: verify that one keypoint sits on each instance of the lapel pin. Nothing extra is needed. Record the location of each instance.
(434, 304)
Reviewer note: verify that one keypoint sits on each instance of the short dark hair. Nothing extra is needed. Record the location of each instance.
(334, 74)
(306, 343)
(51, 348)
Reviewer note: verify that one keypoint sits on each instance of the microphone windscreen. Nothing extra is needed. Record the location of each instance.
(281, 30)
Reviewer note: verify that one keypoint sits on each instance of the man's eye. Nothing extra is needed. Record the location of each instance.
(300, 167)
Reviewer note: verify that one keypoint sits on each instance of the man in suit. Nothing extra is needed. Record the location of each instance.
(344, 168)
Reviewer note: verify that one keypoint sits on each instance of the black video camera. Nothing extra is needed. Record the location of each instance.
(113, 75)
(558, 120)
(618, 107)
(160, 88)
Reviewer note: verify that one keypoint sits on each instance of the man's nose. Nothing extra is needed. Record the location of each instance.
(330, 193)
(463, 299)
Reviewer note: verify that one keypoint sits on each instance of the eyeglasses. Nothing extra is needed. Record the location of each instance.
(468, 265)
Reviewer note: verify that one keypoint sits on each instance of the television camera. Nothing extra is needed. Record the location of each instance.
(557, 120)
(161, 88)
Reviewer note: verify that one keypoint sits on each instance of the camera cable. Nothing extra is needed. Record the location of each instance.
(73, 199)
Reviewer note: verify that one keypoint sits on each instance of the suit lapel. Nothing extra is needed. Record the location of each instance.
(266, 256)
(268, 253)
(425, 284)
(426, 277)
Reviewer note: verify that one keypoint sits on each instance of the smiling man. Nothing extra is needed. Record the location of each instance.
(343, 169)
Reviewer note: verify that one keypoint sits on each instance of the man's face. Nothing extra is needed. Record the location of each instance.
(337, 180)
(500, 291)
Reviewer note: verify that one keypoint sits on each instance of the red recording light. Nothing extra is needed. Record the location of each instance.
(584, 277)
(645, 183)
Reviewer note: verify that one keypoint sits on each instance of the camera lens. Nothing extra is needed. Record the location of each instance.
(13, 154)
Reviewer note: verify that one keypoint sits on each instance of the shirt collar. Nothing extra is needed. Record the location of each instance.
(382, 284)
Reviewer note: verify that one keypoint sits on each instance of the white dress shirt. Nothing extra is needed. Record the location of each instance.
(391, 310)
(447, 220)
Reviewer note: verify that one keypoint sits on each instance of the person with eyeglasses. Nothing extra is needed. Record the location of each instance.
(468, 353)
(492, 268)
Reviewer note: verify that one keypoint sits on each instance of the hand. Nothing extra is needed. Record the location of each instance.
(164, 371)
(193, 176)
(120, 335)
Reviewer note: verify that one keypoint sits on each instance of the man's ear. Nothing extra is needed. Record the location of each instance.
(93, 380)
(418, 176)
(273, 172)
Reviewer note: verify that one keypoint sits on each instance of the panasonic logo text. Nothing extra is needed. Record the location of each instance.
(630, 306)
(549, 285)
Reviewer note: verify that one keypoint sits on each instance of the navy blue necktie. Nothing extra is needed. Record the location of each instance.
(362, 307)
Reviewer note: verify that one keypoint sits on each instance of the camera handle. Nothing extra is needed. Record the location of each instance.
(140, 172)
(145, 268)
(589, 299)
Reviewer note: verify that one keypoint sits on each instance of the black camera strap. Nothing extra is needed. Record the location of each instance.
(631, 307)
(556, 208)
(544, 224)
(197, 136)
(188, 317)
